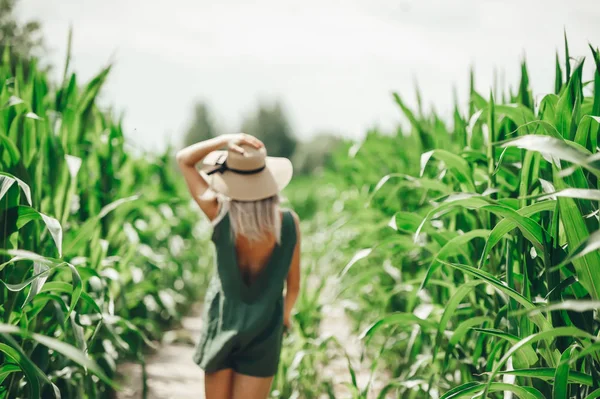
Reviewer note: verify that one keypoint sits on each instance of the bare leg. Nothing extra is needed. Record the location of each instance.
(248, 387)
(218, 385)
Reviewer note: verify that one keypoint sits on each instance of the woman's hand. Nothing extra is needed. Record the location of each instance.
(237, 140)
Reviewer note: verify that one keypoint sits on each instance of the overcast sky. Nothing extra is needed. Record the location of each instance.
(332, 63)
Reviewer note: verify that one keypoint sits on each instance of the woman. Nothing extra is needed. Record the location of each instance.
(257, 249)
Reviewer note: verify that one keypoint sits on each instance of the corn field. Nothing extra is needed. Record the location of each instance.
(465, 253)
(477, 272)
(100, 249)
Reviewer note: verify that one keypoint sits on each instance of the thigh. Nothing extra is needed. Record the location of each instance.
(248, 387)
(219, 384)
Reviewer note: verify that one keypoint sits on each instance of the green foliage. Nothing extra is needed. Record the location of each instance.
(100, 248)
(313, 155)
(472, 261)
(23, 40)
(270, 124)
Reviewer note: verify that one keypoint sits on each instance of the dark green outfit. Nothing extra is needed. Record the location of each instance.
(243, 325)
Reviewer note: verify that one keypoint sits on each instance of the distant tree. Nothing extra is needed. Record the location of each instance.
(314, 154)
(270, 125)
(201, 127)
(25, 39)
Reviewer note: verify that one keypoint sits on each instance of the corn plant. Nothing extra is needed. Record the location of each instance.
(99, 245)
(483, 252)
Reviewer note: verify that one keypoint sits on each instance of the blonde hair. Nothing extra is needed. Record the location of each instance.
(256, 220)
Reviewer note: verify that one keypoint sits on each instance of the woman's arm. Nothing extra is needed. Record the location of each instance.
(293, 278)
(188, 157)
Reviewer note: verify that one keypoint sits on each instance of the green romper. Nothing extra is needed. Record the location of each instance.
(243, 325)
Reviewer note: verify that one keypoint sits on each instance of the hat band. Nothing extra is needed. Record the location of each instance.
(223, 168)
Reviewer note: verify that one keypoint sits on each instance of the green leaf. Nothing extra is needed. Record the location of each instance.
(474, 390)
(594, 395)
(561, 377)
(87, 229)
(588, 129)
(596, 105)
(5, 184)
(467, 200)
(400, 319)
(66, 288)
(457, 164)
(424, 135)
(553, 147)
(531, 230)
(588, 264)
(42, 377)
(91, 91)
(6, 370)
(77, 288)
(590, 244)
(546, 334)
(567, 107)
(20, 254)
(581, 193)
(12, 101)
(429, 184)
(541, 322)
(25, 364)
(63, 348)
(548, 373)
(461, 330)
(548, 111)
(10, 153)
(567, 57)
(38, 283)
(520, 114)
(558, 76)
(5, 177)
(506, 225)
(19, 286)
(363, 253)
(523, 358)
(28, 214)
(453, 246)
(533, 125)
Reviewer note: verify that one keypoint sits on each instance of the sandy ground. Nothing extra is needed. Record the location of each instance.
(337, 323)
(173, 375)
(171, 372)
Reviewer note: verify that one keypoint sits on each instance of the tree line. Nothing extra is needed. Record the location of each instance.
(269, 122)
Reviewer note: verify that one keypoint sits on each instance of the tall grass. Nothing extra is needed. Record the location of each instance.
(480, 254)
(98, 251)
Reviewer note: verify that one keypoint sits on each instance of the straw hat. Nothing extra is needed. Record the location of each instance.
(246, 177)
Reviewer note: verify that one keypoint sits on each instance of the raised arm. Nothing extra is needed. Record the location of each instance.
(188, 157)
(293, 278)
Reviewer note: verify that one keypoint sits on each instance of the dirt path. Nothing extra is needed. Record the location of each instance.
(173, 375)
(171, 372)
(336, 323)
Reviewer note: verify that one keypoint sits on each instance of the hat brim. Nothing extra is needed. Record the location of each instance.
(242, 187)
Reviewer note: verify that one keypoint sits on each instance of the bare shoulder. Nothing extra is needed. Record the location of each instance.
(210, 202)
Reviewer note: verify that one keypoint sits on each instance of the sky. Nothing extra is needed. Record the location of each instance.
(333, 64)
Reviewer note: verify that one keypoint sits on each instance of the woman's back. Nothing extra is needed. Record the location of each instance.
(249, 269)
(257, 252)
(253, 256)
